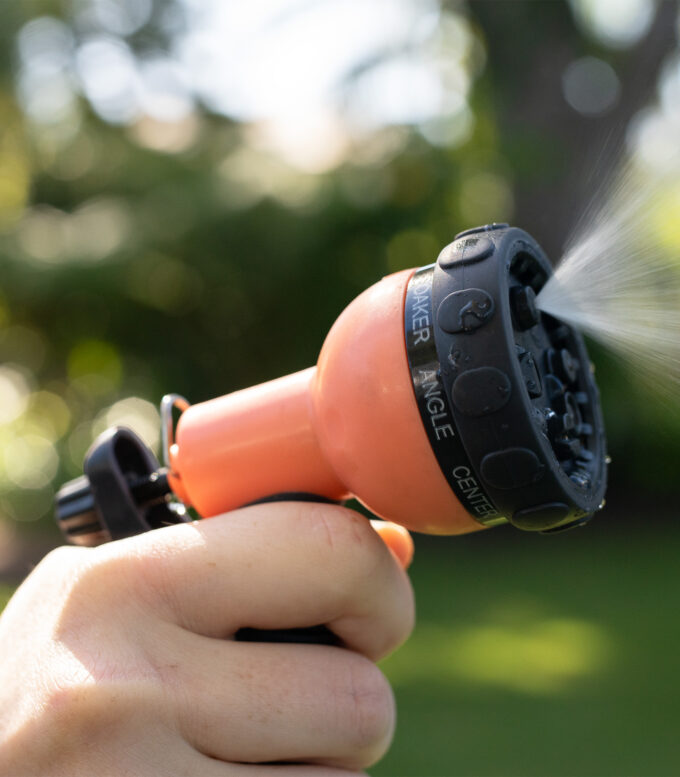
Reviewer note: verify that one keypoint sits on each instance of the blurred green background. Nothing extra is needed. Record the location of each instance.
(191, 192)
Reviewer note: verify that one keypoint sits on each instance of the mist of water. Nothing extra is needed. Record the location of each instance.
(619, 278)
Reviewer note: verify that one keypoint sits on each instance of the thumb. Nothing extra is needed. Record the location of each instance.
(397, 539)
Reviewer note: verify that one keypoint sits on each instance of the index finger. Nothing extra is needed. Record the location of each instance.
(277, 566)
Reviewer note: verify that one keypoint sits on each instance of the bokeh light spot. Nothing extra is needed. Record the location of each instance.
(30, 461)
(616, 23)
(51, 412)
(109, 78)
(449, 130)
(135, 413)
(120, 17)
(42, 234)
(98, 228)
(590, 86)
(45, 85)
(15, 391)
(168, 137)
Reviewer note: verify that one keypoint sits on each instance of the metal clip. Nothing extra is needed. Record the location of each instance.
(168, 404)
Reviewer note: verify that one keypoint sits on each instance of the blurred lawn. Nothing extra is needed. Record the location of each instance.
(548, 656)
(5, 592)
(542, 655)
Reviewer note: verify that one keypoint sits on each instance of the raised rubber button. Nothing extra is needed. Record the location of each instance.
(465, 311)
(540, 517)
(481, 391)
(511, 468)
(465, 251)
(485, 228)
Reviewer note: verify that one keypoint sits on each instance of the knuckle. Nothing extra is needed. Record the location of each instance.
(154, 575)
(331, 526)
(71, 703)
(397, 629)
(85, 710)
(365, 709)
(100, 578)
(61, 562)
(347, 536)
(73, 576)
(97, 596)
(63, 555)
(137, 570)
(407, 619)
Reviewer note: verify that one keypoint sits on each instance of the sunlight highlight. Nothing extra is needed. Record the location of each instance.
(513, 648)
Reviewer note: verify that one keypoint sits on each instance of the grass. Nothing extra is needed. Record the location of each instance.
(547, 656)
(542, 656)
(6, 592)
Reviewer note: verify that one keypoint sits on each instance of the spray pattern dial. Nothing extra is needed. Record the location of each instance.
(519, 433)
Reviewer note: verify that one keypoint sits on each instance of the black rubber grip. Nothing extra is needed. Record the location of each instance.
(312, 635)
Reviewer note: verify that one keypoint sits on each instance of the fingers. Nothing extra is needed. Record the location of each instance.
(155, 751)
(274, 566)
(397, 539)
(265, 702)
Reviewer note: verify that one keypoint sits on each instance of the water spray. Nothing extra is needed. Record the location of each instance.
(619, 278)
(443, 400)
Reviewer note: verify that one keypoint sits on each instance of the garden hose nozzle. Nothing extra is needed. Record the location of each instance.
(443, 400)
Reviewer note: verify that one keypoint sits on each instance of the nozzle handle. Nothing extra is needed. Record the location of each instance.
(77, 516)
(123, 492)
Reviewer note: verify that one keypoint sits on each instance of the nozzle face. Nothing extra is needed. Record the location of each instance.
(524, 311)
(518, 430)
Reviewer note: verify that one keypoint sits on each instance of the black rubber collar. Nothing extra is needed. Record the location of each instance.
(506, 394)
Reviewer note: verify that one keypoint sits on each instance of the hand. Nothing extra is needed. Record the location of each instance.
(120, 660)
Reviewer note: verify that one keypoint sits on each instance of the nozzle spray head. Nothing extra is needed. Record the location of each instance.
(525, 438)
(492, 417)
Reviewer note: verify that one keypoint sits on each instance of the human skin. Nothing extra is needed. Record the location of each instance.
(120, 660)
